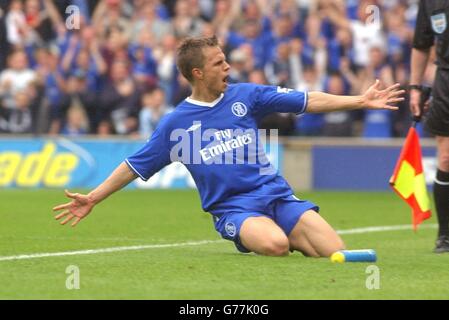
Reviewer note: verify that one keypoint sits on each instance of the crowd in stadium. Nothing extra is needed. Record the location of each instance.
(113, 71)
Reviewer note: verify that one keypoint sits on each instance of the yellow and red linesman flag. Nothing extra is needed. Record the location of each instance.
(408, 179)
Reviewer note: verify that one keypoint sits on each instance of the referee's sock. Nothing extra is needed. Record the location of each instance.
(441, 197)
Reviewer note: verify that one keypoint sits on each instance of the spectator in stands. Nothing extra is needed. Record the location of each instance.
(4, 49)
(184, 23)
(240, 68)
(18, 31)
(252, 34)
(17, 77)
(120, 102)
(285, 26)
(340, 50)
(51, 75)
(398, 36)
(143, 66)
(282, 69)
(338, 124)
(154, 106)
(58, 25)
(377, 124)
(83, 56)
(38, 21)
(226, 11)
(283, 122)
(78, 93)
(115, 47)
(147, 20)
(166, 66)
(181, 89)
(310, 124)
(113, 17)
(18, 119)
(312, 40)
(257, 76)
(325, 37)
(366, 30)
(76, 122)
(255, 10)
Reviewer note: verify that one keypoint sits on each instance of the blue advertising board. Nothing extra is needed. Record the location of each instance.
(64, 163)
(361, 167)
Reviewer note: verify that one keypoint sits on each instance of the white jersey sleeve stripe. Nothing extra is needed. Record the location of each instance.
(135, 171)
(304, 106)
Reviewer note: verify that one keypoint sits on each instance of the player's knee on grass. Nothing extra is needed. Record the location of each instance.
(275, 247)
(269, 245)
(261, 235)
(333, 246)
(330, 244)
(325, 249)
(314, 237)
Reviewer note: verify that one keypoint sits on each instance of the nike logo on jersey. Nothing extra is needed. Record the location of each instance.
(194, 127)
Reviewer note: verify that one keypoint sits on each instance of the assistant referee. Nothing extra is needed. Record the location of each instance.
(432, 29)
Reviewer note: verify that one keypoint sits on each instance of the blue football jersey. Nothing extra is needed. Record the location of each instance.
(219, 143)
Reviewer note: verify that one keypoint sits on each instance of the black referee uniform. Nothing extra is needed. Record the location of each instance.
(432, 29)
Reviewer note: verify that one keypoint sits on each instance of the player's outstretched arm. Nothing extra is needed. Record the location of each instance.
(81, 204)
(373, 98)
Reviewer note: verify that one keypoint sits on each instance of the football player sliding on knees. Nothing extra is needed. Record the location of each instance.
(251, 206)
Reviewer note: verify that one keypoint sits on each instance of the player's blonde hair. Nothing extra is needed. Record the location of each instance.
(190, 54)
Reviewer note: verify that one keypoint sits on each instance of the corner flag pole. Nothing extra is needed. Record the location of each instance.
(408, 179)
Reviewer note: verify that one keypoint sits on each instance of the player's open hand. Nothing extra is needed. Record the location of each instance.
(374, 98)
(80, 206)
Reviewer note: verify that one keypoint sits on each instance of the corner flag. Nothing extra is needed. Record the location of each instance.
(408, 179)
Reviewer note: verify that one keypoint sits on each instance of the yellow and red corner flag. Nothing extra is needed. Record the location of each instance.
(408, 179)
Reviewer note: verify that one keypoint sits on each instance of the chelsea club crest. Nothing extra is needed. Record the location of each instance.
(230, 229)
(239, 109)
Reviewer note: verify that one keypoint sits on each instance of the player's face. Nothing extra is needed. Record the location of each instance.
(215, 70)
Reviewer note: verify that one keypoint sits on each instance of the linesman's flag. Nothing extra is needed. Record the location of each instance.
(408, 179)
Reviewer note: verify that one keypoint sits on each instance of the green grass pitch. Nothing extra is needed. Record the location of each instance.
(407, 267)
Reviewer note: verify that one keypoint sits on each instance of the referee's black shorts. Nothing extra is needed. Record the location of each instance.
(437, 118)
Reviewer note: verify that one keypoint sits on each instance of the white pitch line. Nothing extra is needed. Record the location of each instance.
(385, 228)
(105, 250)
(192, 243)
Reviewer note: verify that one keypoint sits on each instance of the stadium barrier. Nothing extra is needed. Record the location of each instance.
(49, 162)
(307, 163)
(347, 163)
